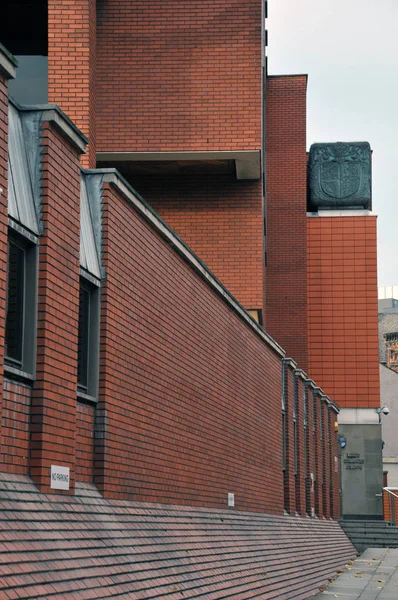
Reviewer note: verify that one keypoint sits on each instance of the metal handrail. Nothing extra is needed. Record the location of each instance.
(392, 503)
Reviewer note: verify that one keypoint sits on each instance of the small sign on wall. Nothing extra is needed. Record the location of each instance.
(60, 477)
(231, 499)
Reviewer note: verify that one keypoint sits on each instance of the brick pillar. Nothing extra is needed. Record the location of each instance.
(335, 476)
(326, 456)
(286, 274)
(53, 411)
(318, 453)
(310, 473)
(301, 454)
(7, 71)
(72, 65)
(288, 366)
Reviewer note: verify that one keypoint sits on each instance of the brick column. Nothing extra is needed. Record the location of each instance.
(300, 486)
(335, 465)
(318, 453)
(326, 456)
(286, 305)
(310, 462)
(72, 65)
(7, 71)
(53, 411)
(288, 366)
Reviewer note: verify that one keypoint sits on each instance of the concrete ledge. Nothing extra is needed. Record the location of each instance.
(247, 162)
(290, 362)
(358, 416)
(342, 213)
(51, 113)
(8, 63)
(310, 383)
(302, 374)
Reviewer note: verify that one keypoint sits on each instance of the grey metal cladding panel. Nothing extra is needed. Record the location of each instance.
(88, 251)
(12, 202)
(22, 185)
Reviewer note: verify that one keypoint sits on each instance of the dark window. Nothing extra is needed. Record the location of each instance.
(88, 338)
(24, 33)
(84, 337)
(24, 26)
(15, 303)
(21, 307)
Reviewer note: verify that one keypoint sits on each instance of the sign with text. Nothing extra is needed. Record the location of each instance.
(353, 461)
(60, 477)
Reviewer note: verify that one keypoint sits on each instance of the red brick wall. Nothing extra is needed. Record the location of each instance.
(15, 428)
(286, 168)
(54, 395)
(3, 219)
(342, 309)
(72, 65)
(84, 442)
(179, 75)
(186, 388)
(221, 219)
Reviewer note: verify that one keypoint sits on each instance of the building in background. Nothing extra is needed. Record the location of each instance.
(388, 335)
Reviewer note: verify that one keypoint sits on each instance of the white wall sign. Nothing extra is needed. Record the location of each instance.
(60, 477)
(231, 499)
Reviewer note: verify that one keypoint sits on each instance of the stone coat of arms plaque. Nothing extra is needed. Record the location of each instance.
(340, 176)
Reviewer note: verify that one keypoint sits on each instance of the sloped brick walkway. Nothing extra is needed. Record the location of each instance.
(85, 547)
(374, 575)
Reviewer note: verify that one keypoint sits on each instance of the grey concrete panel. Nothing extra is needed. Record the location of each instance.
(361, 471)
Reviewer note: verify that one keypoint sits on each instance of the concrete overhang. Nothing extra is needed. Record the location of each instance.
(300, 373)
(358, 416)
(247, 163)
(8, 63)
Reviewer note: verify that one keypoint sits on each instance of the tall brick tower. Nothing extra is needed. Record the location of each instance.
(342, 312)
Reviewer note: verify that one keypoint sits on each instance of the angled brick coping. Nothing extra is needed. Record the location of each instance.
(87, 547)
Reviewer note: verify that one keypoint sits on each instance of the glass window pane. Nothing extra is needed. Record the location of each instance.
(15, 303)
(84, 332)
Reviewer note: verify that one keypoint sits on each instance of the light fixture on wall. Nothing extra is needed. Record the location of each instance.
(383, 410)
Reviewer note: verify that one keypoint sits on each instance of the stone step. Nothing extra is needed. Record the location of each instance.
(367, 534)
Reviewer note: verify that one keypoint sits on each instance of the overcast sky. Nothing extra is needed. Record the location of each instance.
(349, 48)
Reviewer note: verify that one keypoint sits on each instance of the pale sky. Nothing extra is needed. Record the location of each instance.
(349, 49)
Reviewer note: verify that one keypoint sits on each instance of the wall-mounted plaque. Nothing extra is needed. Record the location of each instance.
(340, 176)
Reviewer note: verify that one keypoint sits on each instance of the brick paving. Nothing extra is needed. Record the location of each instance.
(85, 547)
(373, 575)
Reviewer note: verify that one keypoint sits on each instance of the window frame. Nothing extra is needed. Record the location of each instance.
(21, 237)
(91, 284)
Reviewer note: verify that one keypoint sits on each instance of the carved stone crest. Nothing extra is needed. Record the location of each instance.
(340, 176)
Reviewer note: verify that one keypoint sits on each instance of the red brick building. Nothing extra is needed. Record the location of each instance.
(139, 385)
